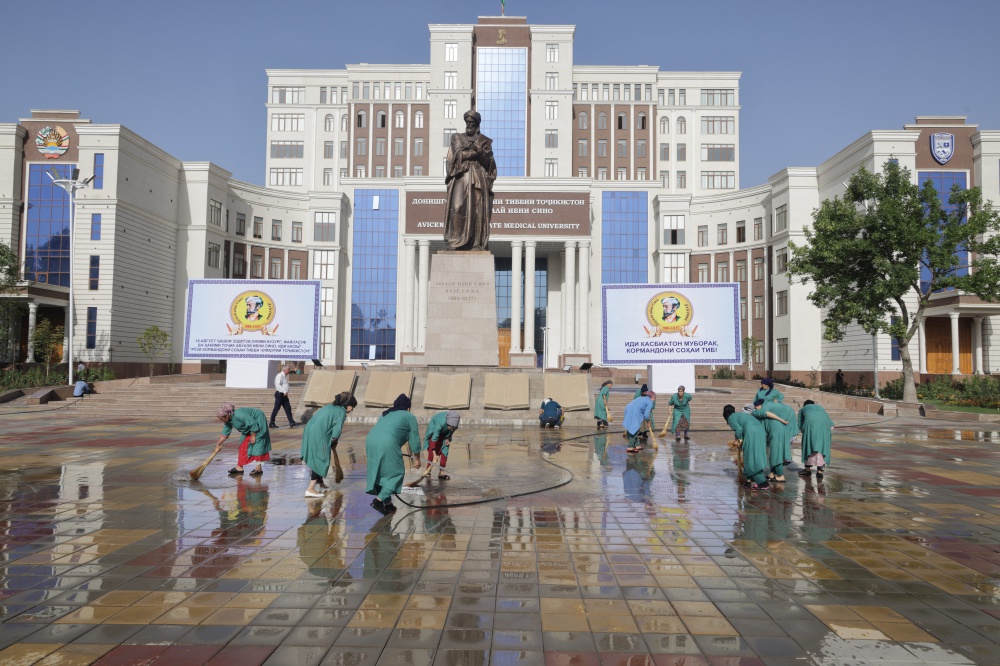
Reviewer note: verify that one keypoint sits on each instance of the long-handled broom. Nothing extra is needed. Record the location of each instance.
(196, 473)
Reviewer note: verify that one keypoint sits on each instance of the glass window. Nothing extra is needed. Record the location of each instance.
(91, 328)
(380, 171)
(325, 227)
(718, 152)
(285, 177)
(551, 53)
(682, 180)
(703, 236)
(418, 170)
(741, 270)
(664, 125)
(296, 232)
(781, 261)
(551, 168)
(602, 121)
(400, 119)
(450, 108)
(287, 149)
(640, 148)
(782, 350)
(703, 273)
(665, 179)
(622, 121)
(213, 255)
(95, 271)
(624, 237)
(214, 212)
(362, 119)
(287, 95)
(329, 123)
(551, 138)
(380, 145)
(294, 269)
(718, 180)
(98, 182)
(674, 268)
(450, 80)
(722, 271)
(682, 96)
(95, 226)
(551, 81)
(758, 268)
(743, 307)
(373, 294)
(758, 307)
(328, 150)
(327, 177)
(781, 299)
(741, 231)
(326, 301)
(681, 125)
(257, 266)
(239, 263)
(664, 152)
(258, 227)
(718, 125)
(602, 147)
(241, 224)
(717, 97)
(451, 52)
(323, 266)
(380, 119)
(758, 228)
(362, 145)
(723, 234)
(682, 152)
(47, 226)
(673, 230)
(622, 173)
(551, 110)
(418, 147)
(943, 181)
(640, 121)
(288, 122)
(274, 272)
(501, 98)
(581, 172)
(582, 120)
(276, 230)
(780, 218)
(399, 146)
(582, 151)
(418, 120)
(602, 173)
(622, 147)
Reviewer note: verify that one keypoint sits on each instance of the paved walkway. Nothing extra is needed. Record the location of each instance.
(109, 555)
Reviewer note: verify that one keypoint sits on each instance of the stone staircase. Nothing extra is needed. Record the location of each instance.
(195, 400)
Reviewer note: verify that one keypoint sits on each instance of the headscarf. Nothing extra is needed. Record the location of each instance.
(757, 403)
(650, 395)
(607, 383)
(452, 419)
(402, 403)
(643, 390)
(728, 411)
(808, 402)
(749, 408)
(226, 411)
(345, 399)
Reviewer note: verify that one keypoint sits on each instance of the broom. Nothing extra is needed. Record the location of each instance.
(738, 446)
(338, 471)
(652, 436)
(196, 473)
(670, 416)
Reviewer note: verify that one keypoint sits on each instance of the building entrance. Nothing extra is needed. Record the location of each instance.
(937, 333)
(504, 283)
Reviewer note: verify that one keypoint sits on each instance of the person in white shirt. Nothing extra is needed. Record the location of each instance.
(281, 397)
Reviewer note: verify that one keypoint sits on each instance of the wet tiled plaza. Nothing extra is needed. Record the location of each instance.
(546, 547)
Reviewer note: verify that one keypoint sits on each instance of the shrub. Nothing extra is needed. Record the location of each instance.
(975, 391)
(850, 389)
(726, 373)
(32, 377)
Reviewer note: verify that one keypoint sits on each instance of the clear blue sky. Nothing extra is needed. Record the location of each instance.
(189, 76)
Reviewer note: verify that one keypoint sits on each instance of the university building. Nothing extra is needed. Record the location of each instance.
(607, 174)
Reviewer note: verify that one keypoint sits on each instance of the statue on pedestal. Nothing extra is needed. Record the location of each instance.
(471, 172)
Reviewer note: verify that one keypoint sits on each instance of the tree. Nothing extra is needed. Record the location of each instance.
(153, 342)
(750, 347)
(47, 339)
(10, 308)
(879, 255)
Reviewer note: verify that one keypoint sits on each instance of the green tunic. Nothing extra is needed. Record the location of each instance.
(600, 411)
(326, 424)
(779, 435)
(682, 407)
(246, 420)
(769, 395)
(815, 425)
(382, 448)
(638, 394)
(436, 428)
(751, 433)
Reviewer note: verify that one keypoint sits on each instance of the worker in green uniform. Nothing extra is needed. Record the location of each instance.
(767, 393)
(601, 405)
(437, 440)
(320, 437)
(750, 434)
(680, 405)
(815, 425)
(779, 436)
(250, 422)
(643, 390)
(396, 427)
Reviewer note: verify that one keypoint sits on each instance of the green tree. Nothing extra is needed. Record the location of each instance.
(47, 339)
(10, 308)
(750, 347)
(864, 255)
(153, 342)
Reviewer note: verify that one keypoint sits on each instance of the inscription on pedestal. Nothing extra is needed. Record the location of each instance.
(461, 310)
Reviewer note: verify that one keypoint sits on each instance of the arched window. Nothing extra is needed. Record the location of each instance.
(682, 125)
(622, 121)
(640, 122)
(362, 119)
(582, 120)
(602, 120)
(418, 120)
(380, 119)
(664, 126)
(399, 119)
(343, 123)
(330, 123)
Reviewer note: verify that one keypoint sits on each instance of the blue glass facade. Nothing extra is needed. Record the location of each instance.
(624, 238)
(501, 98)
(373, 274)
(943, 182)
(98, 182)
(504, 280)
(46, 255)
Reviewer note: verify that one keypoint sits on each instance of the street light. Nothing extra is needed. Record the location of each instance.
(71, 185)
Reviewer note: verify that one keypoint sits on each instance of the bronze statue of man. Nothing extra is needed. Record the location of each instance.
(471, 172)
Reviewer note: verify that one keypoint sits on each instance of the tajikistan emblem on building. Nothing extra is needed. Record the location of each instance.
(53, 142)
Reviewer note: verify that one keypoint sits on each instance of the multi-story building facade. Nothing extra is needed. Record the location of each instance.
(607, 174)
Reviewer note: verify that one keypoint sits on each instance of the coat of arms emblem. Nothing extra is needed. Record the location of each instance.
(942, 146)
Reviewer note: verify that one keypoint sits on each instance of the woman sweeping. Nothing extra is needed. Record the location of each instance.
(767, 393)
(396, 427)
(252, 424)
(680, 407)
(815, 425)
(438, 440)
(320, 437)
(779, 436)
(601, 405)
(644, 390)
(751, 436)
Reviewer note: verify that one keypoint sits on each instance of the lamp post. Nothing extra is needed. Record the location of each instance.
(71, 185)
(875, 363)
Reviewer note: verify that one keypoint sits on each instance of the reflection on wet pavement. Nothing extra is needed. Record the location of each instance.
(545, 547)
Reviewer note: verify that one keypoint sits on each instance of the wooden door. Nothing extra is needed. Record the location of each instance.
(937, 334)
(503, 342)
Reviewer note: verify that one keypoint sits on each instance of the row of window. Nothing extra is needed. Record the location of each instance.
(638, 92)
(722, 270)
(275, 269)
(324, 225)
(390, 90)
(582, 120)
(722, 232)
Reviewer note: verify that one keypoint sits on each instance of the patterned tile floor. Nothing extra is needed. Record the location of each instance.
(110, 555)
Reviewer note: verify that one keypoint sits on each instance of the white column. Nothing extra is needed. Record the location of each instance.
(423, 279)
(515, 296)
(583, 339)
(956, 368)
(32, 321)
(569, 300)
(977, 345)
(409, 295)
(66, 329)
(529, 296)
(922, 352)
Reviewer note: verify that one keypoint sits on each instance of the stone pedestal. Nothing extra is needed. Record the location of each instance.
(462, 310)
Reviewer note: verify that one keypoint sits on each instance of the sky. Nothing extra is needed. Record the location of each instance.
(190, 76)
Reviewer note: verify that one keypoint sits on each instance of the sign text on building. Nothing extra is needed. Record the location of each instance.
(514, 213)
